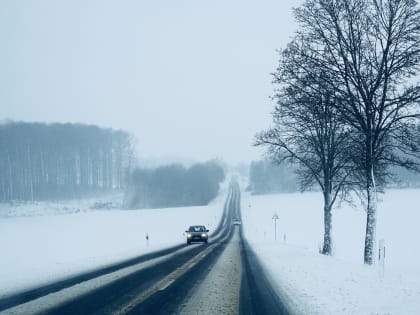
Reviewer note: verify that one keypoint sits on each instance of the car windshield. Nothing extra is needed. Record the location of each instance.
(197, 228)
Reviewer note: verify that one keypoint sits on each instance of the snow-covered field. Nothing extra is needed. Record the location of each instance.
(36, 249)
(339, 284)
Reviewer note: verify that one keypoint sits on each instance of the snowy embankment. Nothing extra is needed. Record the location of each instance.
(341, 284)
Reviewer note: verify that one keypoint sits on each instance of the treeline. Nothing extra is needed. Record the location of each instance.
(175, 185)
(48, 161)
(266, 177)
(402, 178)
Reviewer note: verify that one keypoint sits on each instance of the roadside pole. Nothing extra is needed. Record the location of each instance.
(381, 260)
(275, 218)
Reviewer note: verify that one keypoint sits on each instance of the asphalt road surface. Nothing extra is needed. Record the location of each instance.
(222, 277)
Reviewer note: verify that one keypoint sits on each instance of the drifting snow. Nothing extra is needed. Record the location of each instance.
(39, 249)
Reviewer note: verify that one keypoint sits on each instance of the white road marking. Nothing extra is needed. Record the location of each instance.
(164, 283)
(167, 285)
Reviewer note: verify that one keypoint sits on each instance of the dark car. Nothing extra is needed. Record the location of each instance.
(197, 233)
(236, 221)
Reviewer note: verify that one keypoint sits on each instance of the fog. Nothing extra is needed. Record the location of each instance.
(190, 79)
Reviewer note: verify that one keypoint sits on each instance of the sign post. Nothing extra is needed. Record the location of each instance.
(381, 260)
(275, 218)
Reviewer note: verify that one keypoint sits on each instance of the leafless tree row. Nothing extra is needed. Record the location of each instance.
(348, 100)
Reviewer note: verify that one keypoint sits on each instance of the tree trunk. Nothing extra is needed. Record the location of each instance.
(327, 247)
(11, 190)
(31, 184)
(370, 237)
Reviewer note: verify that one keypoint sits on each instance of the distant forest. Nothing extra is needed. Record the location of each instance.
(403, 178)
(175, 185)
(265, 177)
(49, 161)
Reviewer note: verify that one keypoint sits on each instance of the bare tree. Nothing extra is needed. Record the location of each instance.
(307, 131)
(372, 49)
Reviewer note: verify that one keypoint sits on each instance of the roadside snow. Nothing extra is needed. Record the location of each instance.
(340, 284)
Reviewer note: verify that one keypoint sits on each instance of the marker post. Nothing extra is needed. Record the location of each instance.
(275, 218)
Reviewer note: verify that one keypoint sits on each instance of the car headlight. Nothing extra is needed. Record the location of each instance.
(188, 235)
(203, 235)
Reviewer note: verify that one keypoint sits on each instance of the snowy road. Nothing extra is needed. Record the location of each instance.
(219, 292)
(223, 277)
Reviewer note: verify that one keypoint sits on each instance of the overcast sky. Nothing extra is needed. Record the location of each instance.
(188, 78)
